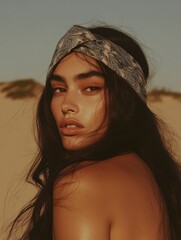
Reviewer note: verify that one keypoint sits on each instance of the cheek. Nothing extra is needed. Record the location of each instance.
(101, 113)
(96, 115)
(52, 108)
(55, 109)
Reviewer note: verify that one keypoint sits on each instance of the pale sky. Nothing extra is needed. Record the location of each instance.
(30, 30)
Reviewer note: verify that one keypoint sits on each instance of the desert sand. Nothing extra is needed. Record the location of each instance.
(18, 147)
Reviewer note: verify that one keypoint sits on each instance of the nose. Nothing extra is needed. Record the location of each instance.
(69, 104)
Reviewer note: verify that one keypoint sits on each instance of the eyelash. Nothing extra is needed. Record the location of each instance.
(93, 88)
(62, 90)
(58, 88)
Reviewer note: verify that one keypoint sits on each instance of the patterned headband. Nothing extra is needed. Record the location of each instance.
(79, 39)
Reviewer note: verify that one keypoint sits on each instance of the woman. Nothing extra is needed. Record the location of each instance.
(104, 168)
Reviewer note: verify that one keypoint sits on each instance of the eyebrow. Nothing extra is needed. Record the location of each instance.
(77, 76)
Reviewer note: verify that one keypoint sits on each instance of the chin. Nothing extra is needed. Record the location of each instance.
(78, 143)
(75, 145)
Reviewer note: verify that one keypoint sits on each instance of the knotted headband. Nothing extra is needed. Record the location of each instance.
(80, 39)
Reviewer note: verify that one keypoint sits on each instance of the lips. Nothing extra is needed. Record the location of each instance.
(70, 127)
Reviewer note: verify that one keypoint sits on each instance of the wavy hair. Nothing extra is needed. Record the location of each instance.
(132, 127)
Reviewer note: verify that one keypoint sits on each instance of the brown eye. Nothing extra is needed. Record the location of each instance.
(92, 89)
(59, 90)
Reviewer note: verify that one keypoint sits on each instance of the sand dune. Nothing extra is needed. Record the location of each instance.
(17, 149)
(17, 145)
(168, 108)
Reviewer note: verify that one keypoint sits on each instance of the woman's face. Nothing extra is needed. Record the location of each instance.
(78, 102)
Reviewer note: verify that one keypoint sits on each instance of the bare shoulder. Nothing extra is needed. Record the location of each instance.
(118, 175)
(78, 203)
(121, 191)
(131, 197)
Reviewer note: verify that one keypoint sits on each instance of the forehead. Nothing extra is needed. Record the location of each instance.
(76, 62)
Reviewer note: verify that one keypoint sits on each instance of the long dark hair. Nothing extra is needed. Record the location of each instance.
(133, 127)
